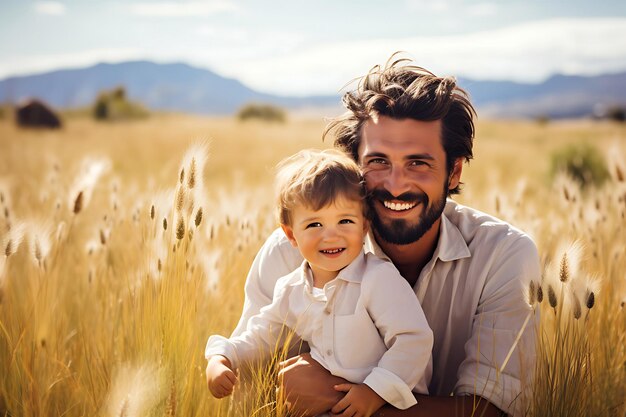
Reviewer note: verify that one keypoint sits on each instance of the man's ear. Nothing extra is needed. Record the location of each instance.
(289, 233)
(455, 175)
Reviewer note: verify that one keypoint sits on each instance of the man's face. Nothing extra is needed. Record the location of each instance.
(404, 165)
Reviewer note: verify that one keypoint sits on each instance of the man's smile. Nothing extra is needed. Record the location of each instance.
(398, 206)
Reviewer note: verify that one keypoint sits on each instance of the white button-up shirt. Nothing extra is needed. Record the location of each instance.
(472, 293)
(369, 304)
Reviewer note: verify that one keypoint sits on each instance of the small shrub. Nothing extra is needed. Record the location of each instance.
(267, 112)
(101, 107)
(583, 162)
(616, 113)
(113, 105)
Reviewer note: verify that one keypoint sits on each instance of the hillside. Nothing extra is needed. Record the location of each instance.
(183, 88)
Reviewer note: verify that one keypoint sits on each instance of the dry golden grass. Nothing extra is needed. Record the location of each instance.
(104, 312)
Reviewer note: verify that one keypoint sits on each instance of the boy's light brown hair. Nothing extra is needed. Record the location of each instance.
(315, 179)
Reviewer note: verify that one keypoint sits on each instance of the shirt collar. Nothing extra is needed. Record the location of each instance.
(352, 273)
(450, 247)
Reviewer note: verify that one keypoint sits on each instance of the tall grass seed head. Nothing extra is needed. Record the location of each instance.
(198, 218)
(13, 239)
(191, 181)
(180, 198)
(103, 236)
(180, 228)
(531, 294)
(40, 241)
(78, 203)
(569, 255)
(193, 163)
(88, 176)
(552, 296)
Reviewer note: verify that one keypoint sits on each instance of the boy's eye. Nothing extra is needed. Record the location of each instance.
(345, 221)
(314, 224)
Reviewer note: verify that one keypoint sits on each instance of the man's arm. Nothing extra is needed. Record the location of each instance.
(307, 387)
(309, 390)
(433, 406)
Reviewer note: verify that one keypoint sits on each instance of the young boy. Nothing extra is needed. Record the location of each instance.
(361, 319)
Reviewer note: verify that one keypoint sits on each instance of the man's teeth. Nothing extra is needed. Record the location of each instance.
(398, 206)
(331, 251)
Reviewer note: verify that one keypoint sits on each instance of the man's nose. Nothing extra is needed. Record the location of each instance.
(396, 182)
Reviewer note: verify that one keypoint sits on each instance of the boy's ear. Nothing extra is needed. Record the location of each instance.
(289, 233)
(366, 226)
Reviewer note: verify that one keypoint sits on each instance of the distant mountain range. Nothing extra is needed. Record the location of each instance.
(182, 88)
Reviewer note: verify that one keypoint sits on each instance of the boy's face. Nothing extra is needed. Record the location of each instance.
(329, 238)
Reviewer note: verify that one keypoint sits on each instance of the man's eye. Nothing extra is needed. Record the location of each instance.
(377, 161)
(345, 221)
(314, 224)
(418, 164)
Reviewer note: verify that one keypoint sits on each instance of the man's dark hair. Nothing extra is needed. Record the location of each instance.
(403, 91)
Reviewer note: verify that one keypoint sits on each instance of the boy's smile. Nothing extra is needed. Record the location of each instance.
(329, 238)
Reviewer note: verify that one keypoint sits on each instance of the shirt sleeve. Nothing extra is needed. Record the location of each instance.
(265, 332)
(406, 366)
(500, 317)
(275, 259)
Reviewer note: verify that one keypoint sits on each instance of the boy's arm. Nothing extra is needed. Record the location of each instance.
(360, 400)
(406, 365)
(275, 259)
(220, 376)
(263, 334)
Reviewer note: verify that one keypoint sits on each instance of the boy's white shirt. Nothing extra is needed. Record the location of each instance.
(471, 292)
(367, 327)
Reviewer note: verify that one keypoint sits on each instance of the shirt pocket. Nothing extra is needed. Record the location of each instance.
(357, 341)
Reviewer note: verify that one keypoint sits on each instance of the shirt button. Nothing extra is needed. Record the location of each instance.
(329, 352)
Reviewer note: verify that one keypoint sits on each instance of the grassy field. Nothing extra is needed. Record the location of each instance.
(111, 281)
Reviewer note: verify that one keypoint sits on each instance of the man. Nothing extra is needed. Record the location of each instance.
(410, 133)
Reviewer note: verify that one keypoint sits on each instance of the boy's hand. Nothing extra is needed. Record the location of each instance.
(220, 377)
(360, 401)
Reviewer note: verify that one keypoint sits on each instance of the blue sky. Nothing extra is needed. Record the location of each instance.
(315, 47)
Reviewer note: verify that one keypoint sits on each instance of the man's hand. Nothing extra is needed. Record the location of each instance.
(360, 401)
(220, 377)
(307, 388)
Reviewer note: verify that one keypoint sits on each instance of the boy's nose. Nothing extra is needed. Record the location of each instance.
(330, 233)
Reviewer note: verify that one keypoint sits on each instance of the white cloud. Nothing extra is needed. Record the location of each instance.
(53, 8)
(527, 52)
(183, 9)
(482, 9)
(288, 63)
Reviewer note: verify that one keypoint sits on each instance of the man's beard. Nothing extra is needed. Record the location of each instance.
(400, 231)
